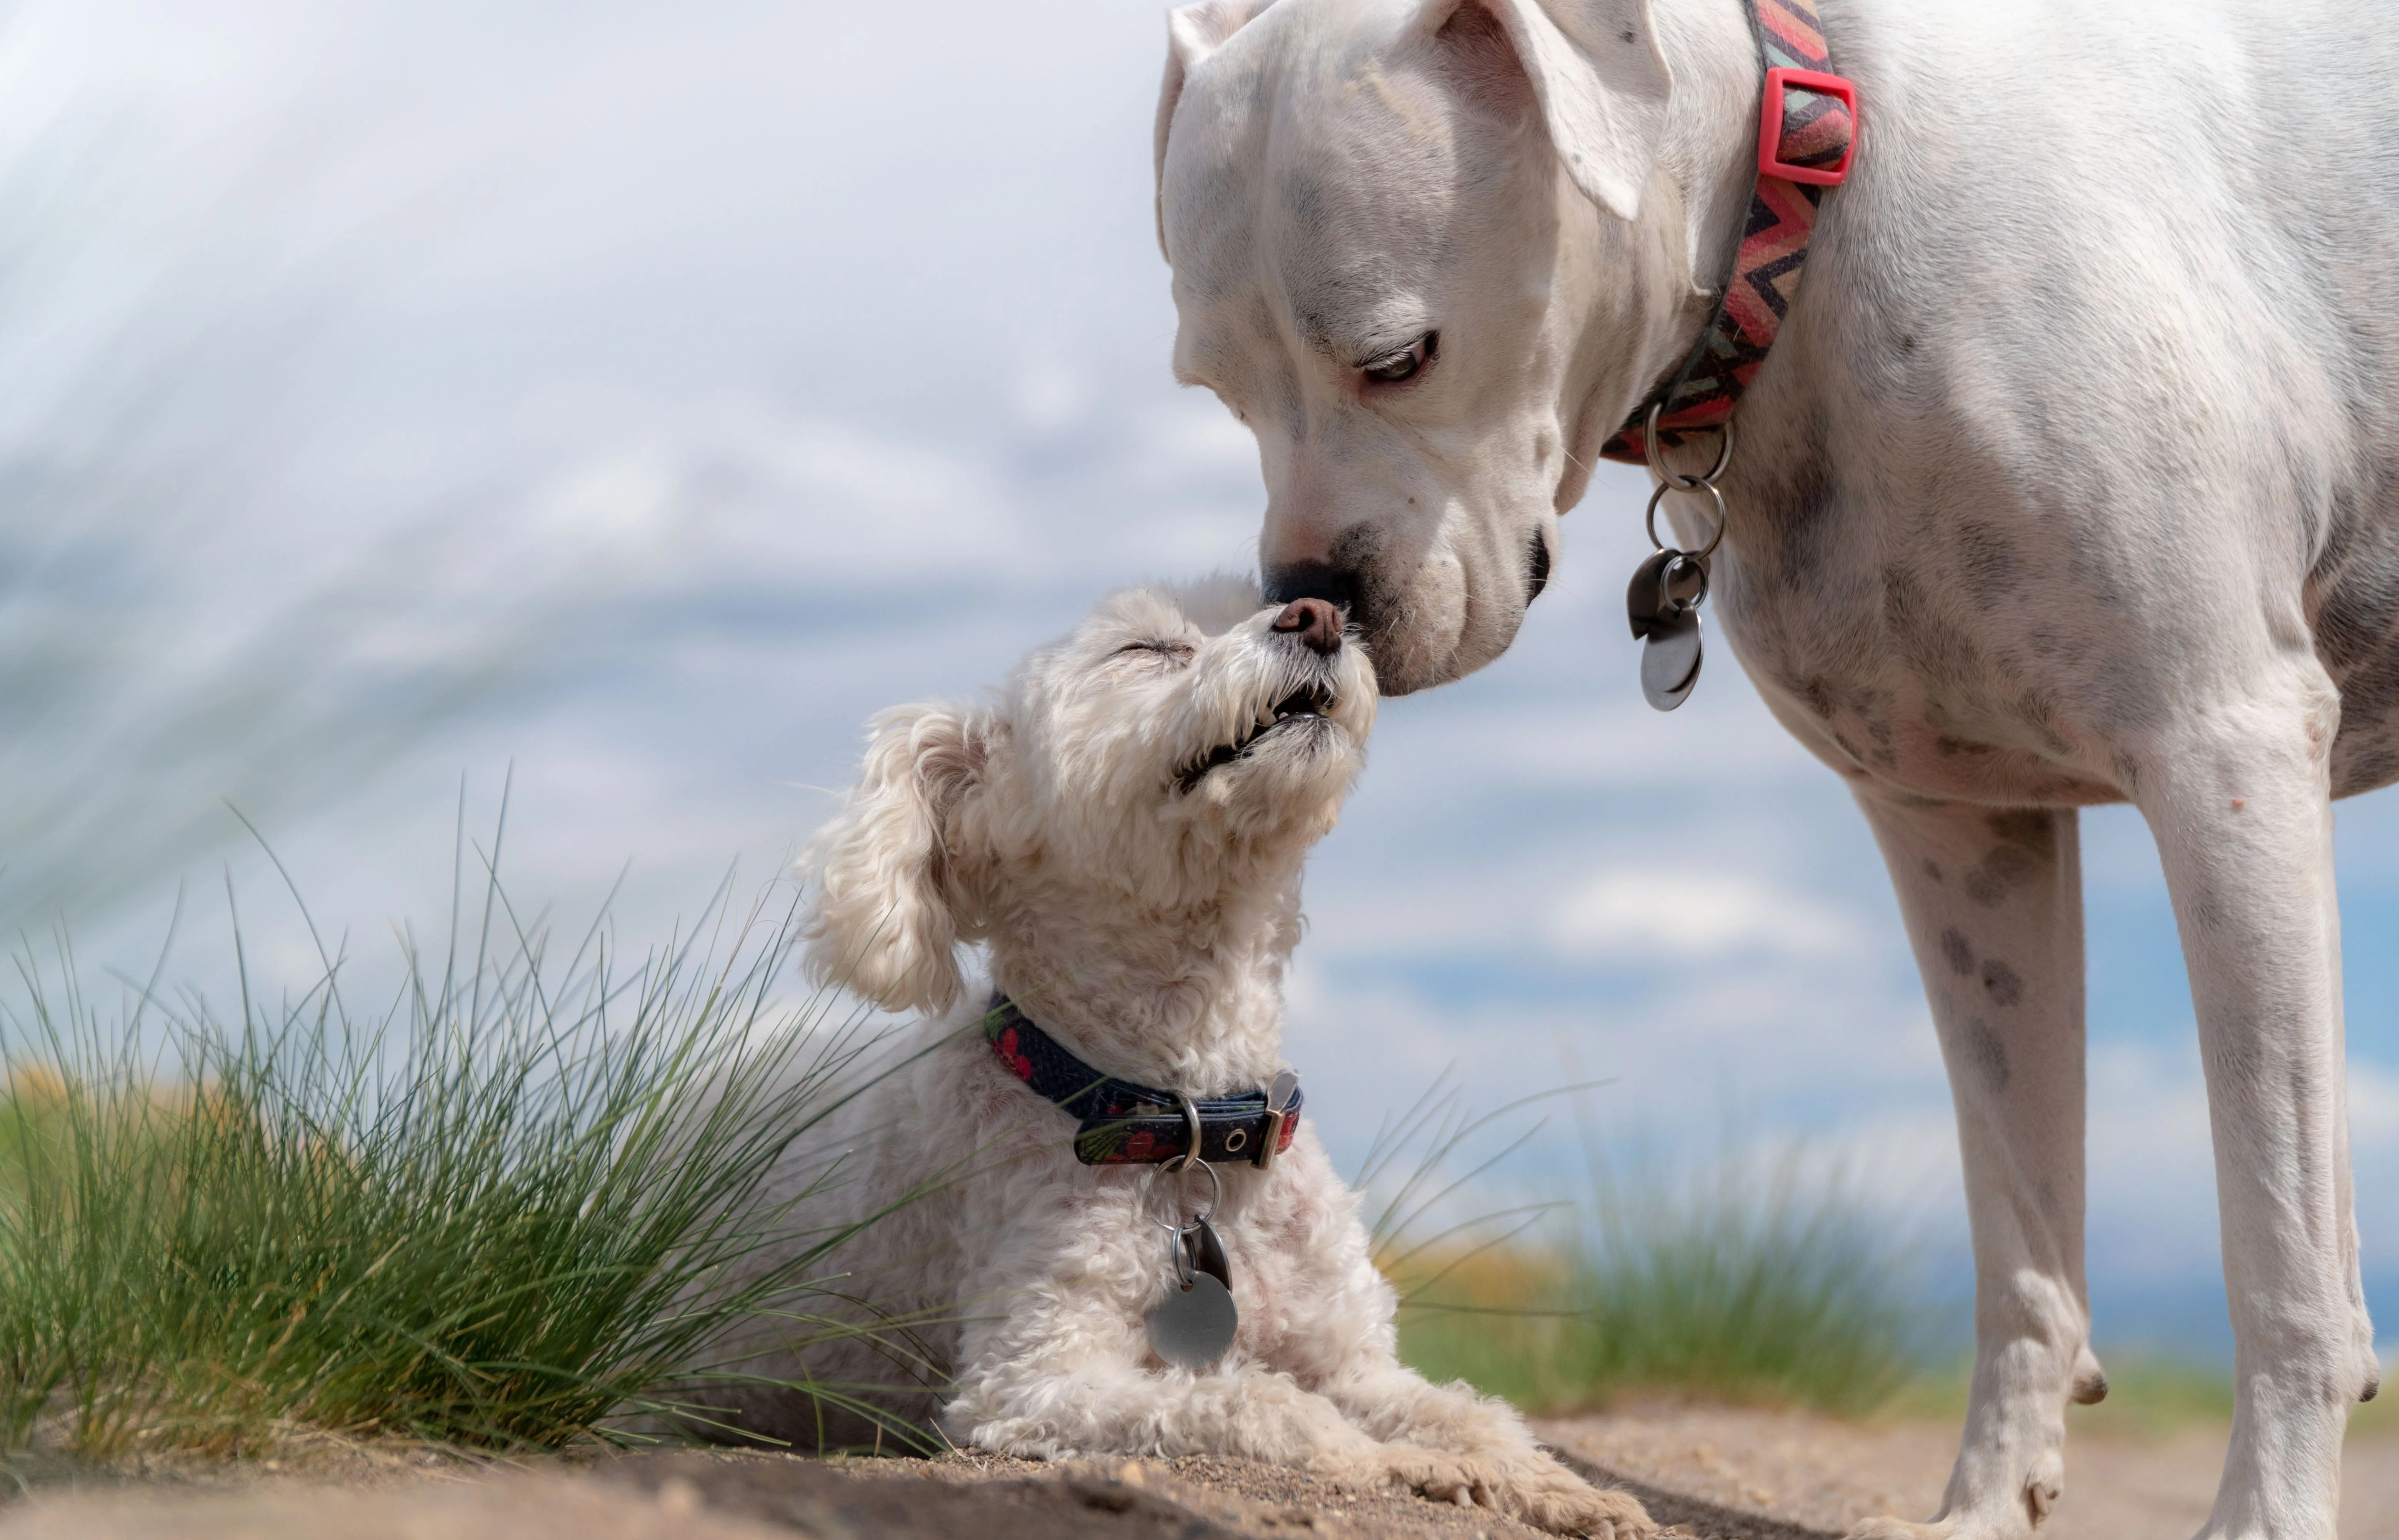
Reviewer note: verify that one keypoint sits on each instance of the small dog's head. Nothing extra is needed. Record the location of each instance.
(1182, 747)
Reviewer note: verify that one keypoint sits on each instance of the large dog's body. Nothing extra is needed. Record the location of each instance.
(2073, 478)
(1123, 829)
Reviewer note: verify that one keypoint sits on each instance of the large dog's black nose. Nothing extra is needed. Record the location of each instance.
(1288, 580)
(1316, 623)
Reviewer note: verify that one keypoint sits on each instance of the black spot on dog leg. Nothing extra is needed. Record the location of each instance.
(1988, 1053)
(2007, 868)
(2028, 829)
(2005, 987)
(1959, 951)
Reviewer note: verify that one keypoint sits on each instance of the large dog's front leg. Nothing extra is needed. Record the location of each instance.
(1993, 903)
(2240, 803)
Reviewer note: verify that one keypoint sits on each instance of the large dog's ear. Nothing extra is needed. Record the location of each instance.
(1601, 81)
(1192, 33)
(894, 897)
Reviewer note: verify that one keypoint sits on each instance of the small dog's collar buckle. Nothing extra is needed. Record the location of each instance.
(1273, 1127)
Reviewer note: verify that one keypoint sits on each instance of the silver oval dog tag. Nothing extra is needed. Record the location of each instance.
(1670, 660)
(1194, 1323)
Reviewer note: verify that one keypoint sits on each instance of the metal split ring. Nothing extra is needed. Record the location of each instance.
(1215, 1200)
(1675, 478)
(1649, 520)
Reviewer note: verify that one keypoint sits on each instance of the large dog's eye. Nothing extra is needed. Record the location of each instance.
(1404, 363)
(1173, 652)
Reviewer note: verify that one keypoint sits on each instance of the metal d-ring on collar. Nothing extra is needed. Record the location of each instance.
(1670, 479)
(1192, 1120)
(1215, 1200)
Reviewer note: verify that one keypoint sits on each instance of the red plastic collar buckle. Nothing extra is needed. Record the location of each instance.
(1770, 125)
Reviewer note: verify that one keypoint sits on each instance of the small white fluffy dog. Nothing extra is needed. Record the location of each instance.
(1123, 829)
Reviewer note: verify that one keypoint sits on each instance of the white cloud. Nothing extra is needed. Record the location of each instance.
(2373, 1107)
(1692, 915)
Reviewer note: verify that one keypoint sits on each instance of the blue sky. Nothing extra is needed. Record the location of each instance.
(641, 396)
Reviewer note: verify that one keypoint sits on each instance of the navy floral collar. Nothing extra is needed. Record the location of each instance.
(1126, 1123)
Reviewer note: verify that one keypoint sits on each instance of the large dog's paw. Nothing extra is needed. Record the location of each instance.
(1539, 1492)
(1993, 1520)
(1961, 1527)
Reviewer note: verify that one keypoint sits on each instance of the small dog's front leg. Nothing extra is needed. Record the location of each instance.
(1048, 1409)
(1510, 1472)
(1065, 1370)
(1055, 1383)
(1044, 1409)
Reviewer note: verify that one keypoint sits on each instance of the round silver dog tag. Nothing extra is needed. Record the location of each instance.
(1195, 1324)
(1670, 660)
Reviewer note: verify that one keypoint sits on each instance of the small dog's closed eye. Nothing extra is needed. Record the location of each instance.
(1121, 831)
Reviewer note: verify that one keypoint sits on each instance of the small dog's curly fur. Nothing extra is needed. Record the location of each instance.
(1123, 830)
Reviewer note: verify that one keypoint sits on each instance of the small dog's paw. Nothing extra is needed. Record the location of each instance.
(1546, 1495)
(1563, 1503)
(1428, 1473)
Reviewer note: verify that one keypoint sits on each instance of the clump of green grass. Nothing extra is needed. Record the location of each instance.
(1749, 1280)
(500, 1214)
(2150, 1395)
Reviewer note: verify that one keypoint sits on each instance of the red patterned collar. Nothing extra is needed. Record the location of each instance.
(1807, 124)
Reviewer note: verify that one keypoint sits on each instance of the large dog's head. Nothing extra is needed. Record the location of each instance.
(1431, 252)
(1181, 750)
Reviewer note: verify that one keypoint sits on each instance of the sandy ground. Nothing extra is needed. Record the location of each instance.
(1816, 1476)
(1714, 1474)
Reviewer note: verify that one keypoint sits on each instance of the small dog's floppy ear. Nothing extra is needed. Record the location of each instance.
(1601, 80)
(1192, 33)
(892, 903)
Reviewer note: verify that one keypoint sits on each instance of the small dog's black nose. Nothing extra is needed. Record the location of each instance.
(1317, 624)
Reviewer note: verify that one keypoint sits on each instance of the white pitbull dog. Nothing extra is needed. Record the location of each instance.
(2070, 480)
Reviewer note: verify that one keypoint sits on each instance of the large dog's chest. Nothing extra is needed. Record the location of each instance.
(1884, 679)
(1967, 639)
